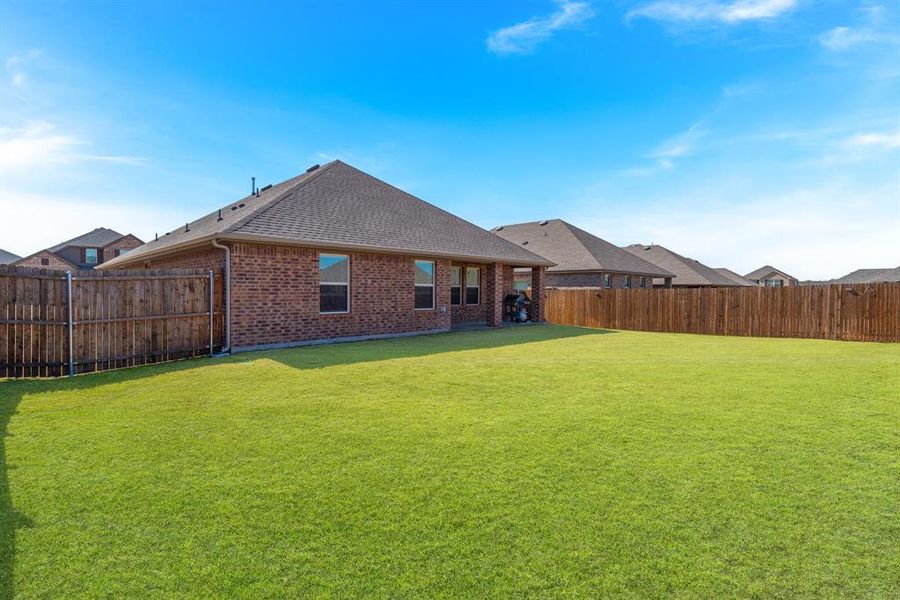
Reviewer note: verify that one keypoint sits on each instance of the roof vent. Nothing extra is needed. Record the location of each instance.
(186, 227)
(312, 168)
(234, 208)
(542, 223)
(156, 236)
(220, 215)
(499, 228)
(241, 205)
(525, 243)
(265, 187)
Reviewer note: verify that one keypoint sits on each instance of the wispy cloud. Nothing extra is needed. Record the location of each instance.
(871, 30)
(15, 67)
(669, 151)
(38, 144)
(705, 11)
(524, 37)
(887, 141)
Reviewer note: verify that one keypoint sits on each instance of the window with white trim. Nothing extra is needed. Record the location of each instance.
(473, 285)
(334, 283)
(455, 286)
(90, 256)
(628, 281)
(424, 285)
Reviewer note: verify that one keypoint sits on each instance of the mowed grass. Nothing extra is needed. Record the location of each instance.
(543, 461)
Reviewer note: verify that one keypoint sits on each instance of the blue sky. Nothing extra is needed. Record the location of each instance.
(739, 132)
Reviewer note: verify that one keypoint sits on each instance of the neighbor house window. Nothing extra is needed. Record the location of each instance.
(334, 283)
(521, 285)
(90, 256)
(607, 280)
(120, 251)
(473, 285)
(645, 282)
(455, 286)
(424, 285)
(45, 262)
(774, 282)
(628, 281)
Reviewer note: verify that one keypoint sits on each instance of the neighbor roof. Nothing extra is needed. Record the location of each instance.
(687, 270)
(869, 276)
(7, 257)
(573, 249)
(92, 239)
(734, 276)
(761, 272)
(339, 206)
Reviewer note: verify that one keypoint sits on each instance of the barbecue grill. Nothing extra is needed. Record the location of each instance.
(515, 308)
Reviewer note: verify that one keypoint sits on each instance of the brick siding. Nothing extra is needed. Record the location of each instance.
(275, 293)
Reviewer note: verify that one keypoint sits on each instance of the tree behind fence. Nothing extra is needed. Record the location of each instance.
(869, 312)
(119, 319)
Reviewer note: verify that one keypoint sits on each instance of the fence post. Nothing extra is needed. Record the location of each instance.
(69, 322)
(212, 309)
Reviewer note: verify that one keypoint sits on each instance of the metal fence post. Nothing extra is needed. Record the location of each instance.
(212, 311)
(70, 323)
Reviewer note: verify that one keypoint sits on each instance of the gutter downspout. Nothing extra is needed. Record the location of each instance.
(227, 287)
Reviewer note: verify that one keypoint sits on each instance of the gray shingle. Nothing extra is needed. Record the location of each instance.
(687, 270)
(93, 239)
(7, 257)
(733, 276)
(761, 273)
(340, 206)
(869, 276)
(573, 249)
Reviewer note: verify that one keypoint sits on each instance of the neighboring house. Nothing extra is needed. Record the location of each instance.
(83, 252)
(863, 276)
(738, 279)
(7, 257)
(582, 259)
(688, 272)
(769, 276)
(337, 253)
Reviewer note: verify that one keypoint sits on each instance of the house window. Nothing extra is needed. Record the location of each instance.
(774, 283)
(607, 280)
(628, 281)
(334, 283)
(473, 285)
(645, 283)
(424, 285)
(455, 286)
(90, 256)
(45, 262)
(120, 251)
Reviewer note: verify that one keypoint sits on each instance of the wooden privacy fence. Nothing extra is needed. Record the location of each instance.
(56, 323)
(865, 312)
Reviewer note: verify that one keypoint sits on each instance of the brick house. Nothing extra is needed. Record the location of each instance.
(337, 253)
(769, 276)
(689, 272)
(83, 252)
(582, 259)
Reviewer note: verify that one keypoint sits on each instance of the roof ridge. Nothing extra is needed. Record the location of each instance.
(305, 178)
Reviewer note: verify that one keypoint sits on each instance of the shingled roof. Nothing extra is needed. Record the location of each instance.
(761, 273)
(688, 272)
(737, 278)
(339, 206)
(573, 249)
(869, 276)
(7, 257)
(97, 238)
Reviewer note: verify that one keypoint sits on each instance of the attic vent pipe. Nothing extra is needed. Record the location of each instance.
(156, 236)
(312, 168)
(252, 185)
(187, 227)
(220, 215)
(265, 187)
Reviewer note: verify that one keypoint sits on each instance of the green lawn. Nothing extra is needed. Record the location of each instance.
(528, 461)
